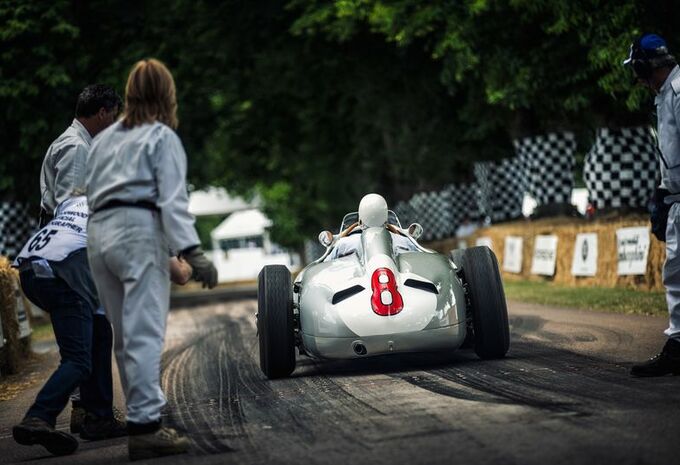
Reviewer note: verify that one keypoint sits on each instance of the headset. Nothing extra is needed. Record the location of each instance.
(644, 61)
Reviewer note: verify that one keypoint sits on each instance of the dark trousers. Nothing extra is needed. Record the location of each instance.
(84, 342)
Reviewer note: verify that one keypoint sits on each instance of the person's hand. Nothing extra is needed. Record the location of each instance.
(203, 269)
(180, 271)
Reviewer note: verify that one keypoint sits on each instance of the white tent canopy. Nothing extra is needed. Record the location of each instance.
(217, 201)
(241, 224)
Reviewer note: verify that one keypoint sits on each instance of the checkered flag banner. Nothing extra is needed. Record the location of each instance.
(16, 225)
(440, 212)
(621, 168)
(548, 161)
(433, 211)
(501, 187)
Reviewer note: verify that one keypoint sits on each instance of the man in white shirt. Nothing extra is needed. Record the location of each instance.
(63, 168)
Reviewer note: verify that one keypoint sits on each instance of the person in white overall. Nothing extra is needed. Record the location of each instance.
(137, 193)
(656, 68)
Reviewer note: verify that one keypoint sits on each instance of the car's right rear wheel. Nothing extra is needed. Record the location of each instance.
(487, 299)
(275, 321)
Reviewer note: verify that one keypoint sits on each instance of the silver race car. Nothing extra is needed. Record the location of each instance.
(376, 291)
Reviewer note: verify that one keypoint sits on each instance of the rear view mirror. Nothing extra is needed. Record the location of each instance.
(415, 230)
(326, 238)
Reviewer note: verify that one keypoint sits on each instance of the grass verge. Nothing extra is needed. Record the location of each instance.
(588, 298)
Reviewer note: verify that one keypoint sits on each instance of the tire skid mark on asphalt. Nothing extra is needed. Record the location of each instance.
(318, 404)
(266, 403)
(587, 378)
(180, 372)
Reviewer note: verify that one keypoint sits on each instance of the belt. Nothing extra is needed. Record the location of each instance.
(122, 203)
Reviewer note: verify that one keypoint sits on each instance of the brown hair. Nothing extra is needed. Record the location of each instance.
(150, 95)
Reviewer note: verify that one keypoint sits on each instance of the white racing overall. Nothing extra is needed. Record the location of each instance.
(668, 114)
(128, 248)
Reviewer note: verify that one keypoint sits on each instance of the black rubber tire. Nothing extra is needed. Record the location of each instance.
(275, 321)
(487, 298)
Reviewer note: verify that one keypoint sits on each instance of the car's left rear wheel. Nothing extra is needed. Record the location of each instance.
(275, 321)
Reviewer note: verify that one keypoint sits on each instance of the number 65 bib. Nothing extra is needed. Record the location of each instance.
(66, 233)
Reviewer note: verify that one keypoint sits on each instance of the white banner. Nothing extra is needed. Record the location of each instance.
(512, 254)
(632, 245)
(484, 241)
(545, 255)
(585, 255)
(22, 314)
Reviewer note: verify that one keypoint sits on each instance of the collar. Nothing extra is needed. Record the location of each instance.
(675, 72)
(82, 131)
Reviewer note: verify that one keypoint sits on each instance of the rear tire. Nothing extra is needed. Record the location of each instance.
(487, 298)
(275, 321)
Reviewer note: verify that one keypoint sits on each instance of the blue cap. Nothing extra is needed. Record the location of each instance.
(652, 42)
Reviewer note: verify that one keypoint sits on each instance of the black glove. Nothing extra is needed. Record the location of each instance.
(203, 269)
(659, 214)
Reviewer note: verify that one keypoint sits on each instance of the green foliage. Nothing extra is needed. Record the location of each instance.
(204, 226)
(312, 104)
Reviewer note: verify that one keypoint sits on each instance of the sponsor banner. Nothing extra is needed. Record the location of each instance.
(632, 245)
(484, 241)
(545, 255)
(22, 314)
(512, 254)
(585, 255)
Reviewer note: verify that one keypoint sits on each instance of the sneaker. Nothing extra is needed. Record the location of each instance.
(164, 441)
(34, 430)
(95, 428)
(77, 416)
(664, 363)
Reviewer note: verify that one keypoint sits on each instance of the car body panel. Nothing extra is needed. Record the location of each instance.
(433, 314)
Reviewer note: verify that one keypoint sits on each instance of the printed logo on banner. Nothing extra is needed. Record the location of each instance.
(632, 245)
(484, 241)
(585, 255)
(512, 255)
(545, 255)
(22, 315)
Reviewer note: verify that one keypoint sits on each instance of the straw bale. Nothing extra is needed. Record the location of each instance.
(566, 230)
(15, 351)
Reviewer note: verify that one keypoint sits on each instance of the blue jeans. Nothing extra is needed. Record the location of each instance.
(84, 342)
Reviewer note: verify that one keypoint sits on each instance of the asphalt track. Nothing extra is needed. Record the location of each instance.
(562, 396)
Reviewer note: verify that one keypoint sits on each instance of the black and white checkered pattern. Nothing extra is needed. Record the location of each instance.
(17, 223)
(433, 211)
(621, 169)
(440, 212)
(501, 187)
(548, 166)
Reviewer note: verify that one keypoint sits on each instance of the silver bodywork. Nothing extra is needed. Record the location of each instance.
(432, 319)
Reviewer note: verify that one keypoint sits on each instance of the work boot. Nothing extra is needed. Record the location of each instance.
(664, 363)
(34, 430)
(96, 428)
(163, 441)
(77, 416)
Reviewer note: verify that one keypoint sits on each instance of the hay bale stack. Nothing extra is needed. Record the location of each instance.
(566, 230)
(15, 351)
